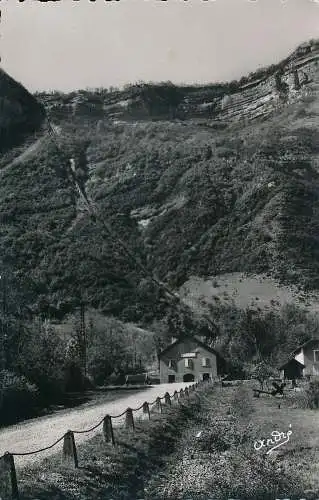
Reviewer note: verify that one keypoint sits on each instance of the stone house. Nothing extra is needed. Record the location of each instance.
(189, 360)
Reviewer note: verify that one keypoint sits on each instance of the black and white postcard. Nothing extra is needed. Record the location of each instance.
(159, 250)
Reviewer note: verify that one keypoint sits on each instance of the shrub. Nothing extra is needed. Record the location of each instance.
(308, 397)
(261, 372)
(312, 393)
(18, 399)
(42, 362)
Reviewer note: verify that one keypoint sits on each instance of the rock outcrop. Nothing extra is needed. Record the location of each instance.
(255, 96)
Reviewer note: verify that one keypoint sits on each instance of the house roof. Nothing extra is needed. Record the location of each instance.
(291, 361)
(304, 345)
(195, 339)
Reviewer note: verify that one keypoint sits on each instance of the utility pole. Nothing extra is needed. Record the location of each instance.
(3, 321)
(83, 337)
(3, 334)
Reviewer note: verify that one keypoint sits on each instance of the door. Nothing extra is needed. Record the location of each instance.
(206, 376)
(171, 379)
(188, 377)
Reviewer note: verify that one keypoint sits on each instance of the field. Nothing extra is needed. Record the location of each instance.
(202, 450)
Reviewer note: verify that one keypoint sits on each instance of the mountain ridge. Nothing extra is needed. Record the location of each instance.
(216, 101)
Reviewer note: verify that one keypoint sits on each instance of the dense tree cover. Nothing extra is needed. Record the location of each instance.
(213, 201)
(251, 337)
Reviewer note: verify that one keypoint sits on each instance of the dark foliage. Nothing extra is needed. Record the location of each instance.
(20, 113)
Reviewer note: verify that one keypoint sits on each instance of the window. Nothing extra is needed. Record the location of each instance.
(205, 362)
(170, 363)
(316, 356)
(188, 363)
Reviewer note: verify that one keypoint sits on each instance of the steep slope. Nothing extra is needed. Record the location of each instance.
(20, 113)
(198, 181)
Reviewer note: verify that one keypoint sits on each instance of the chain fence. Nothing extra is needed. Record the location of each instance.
(8, 477)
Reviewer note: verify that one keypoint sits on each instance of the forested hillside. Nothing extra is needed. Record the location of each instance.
(198, 181)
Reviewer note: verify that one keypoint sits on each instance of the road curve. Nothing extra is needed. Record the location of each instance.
(44, 431)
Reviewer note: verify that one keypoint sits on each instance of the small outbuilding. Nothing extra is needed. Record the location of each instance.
(292, 369)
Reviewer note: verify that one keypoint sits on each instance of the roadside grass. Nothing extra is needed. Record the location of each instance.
(221, 462)
(108, 472)
(196, 451)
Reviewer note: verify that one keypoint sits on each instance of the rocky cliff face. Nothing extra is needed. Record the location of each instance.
(260, 97)
(255, 96)
(20, 113)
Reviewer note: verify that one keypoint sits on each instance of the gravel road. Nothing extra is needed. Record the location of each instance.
(44, 431)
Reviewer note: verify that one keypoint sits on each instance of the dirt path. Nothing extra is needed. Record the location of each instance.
(42, 432)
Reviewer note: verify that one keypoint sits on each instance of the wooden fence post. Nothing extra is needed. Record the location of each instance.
(69, 450)
(186, 392)
(129, 420)
(159, 405)
(108, 433)
(146, 410)
(181, 394)
(175, 396)
(8, 478)
(168, 399)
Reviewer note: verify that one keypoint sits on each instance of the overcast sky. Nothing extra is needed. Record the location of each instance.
(69, 45)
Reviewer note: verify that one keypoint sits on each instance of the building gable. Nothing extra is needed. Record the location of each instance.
(194, 341)
(308, 355)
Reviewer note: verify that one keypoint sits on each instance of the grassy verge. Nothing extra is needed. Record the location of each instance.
(221, 462)
(112, 473)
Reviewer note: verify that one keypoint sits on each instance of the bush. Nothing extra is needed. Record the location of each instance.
(116, 379)
(308, 397)
(261, 372)
(18, 399)
(312, 393)
(42, 362)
